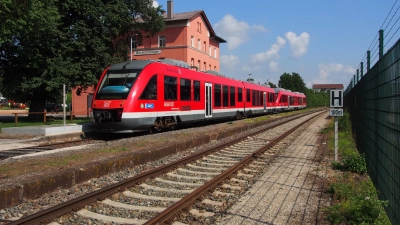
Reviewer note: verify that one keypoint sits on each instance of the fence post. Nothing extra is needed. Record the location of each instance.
(380, 44)
(368, 60)
(16, 119)
(362, 69)
(44, 117)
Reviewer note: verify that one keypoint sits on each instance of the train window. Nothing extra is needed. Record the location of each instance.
(150, 91)
(196, 90)
(248, 95)
(170, 87)
(117, 84)
(232, 94)
(225, 96)
(254, 98)
(260, 98)
(240, 95)
(185, 89)
(217, 95)
(271, 97)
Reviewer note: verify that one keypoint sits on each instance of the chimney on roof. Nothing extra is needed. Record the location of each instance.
(170, 9)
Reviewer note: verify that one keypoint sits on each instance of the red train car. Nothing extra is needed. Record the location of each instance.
(154, 95)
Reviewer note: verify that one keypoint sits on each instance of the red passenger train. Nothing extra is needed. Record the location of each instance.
(150, 95)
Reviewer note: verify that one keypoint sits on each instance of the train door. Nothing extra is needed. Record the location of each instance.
(208, 100)
(265, 101)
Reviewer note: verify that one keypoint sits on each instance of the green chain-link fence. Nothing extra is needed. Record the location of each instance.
(374, 107)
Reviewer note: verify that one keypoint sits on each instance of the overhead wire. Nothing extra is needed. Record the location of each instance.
(374, 43)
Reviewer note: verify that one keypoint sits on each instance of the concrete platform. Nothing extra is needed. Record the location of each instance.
(50, 129)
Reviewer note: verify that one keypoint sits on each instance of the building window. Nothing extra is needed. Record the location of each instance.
(215, 68)
(205, 65)
(199, 27)
(161, 41)
(209, 50)
(192, 62)
(205, 49)
(209, 67)
(198, 65)
(192, 41)
(215, 52)
(199, 44)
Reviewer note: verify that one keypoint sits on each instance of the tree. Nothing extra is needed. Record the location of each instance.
(293, 82)
(69, 42)
(272, 84)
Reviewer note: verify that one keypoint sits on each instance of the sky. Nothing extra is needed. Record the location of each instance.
(323, 41)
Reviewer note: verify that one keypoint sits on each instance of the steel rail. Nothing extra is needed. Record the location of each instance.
(50, 214)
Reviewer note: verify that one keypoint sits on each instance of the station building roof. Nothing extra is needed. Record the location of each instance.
(324, 87)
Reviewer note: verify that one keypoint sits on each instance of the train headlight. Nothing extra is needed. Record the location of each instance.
(141, 106)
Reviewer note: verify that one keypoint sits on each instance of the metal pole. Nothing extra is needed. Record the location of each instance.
(63, 105)
(368, 60)
(336, 138)
(131, 48)
(362, 69)
(380, 44)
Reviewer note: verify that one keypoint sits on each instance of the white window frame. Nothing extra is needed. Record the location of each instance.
(199, 44)
(192, 41)
(161, 41)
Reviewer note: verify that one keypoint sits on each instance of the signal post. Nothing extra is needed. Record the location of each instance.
(336, 110)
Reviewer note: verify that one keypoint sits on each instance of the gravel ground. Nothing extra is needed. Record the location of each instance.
(51, 199)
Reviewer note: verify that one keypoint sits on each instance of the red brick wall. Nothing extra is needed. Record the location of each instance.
(79, 103)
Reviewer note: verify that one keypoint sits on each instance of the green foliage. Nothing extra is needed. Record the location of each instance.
(357, 203)
(316, 99)
(47, 43)
(355, 163)
(355, 197)
(293, 82)
(344, 122)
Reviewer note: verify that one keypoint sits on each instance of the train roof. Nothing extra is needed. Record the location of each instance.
(140, 64)
(133, 64)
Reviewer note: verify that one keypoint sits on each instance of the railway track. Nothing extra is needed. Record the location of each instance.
(6, 154)
(194, 189)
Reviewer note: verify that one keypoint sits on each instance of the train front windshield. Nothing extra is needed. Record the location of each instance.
(117, 84)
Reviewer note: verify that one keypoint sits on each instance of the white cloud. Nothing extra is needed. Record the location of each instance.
(155, 4)
(298, 44)
(263, 57)
(234, 31)
(326, 70)
(273, 66)
(229, 61)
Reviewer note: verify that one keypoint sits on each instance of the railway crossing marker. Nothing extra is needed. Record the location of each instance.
(336, 104)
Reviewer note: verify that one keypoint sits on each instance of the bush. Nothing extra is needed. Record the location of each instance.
(355, 163)
(357, 203)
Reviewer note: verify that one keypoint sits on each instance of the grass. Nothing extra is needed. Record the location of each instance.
(24, 121)
(355, 199)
